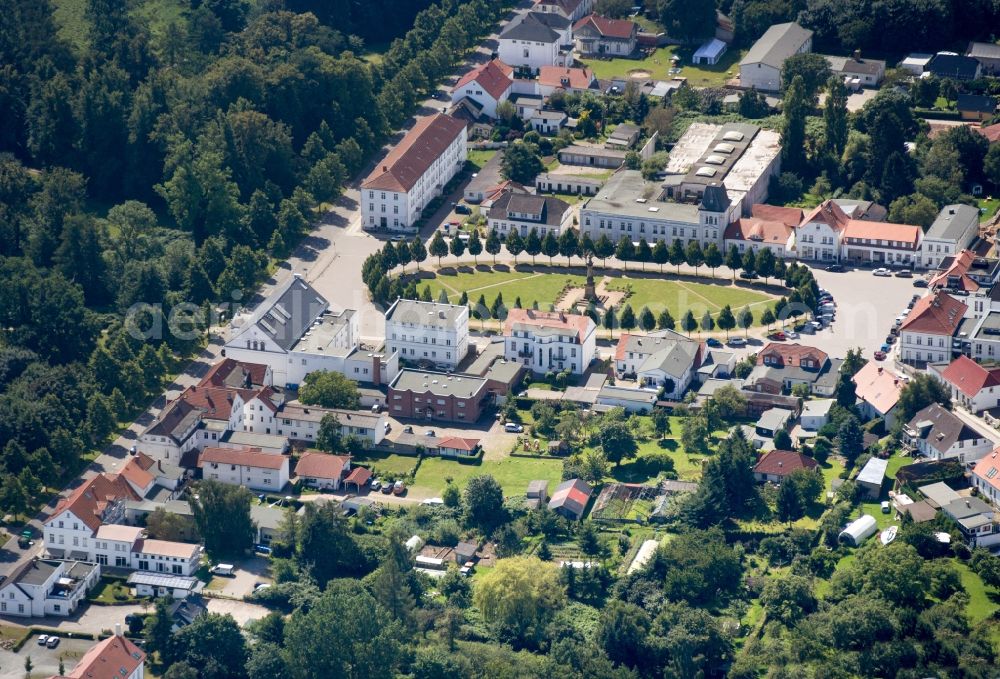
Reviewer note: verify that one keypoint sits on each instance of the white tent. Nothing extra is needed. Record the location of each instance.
(710, 52)
(859, 530)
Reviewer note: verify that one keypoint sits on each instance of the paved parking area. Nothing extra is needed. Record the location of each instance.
(45, 661)
(248, 573)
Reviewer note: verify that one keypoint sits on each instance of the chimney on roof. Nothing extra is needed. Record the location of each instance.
(118, 629)
(880, 370)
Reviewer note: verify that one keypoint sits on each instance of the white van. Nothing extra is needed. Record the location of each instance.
(224, 569)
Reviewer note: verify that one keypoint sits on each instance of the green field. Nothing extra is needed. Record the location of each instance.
(659, 63)
(387, 464)
(676, 295)
(982, 599)
(513, 473)
(479, 157)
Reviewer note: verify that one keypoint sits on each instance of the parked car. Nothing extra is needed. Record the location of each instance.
(920, 283)
(398, 488)
(52, 642)
(513, 428)
(791, 334)
(737, 342)
(808, 330)
(407, 429)
(879, 355)
(398, 238)
(748, 275)
(836, 268)
(904, 273)
(463, 209)
(712, 342)
(386, 488)
(777, 336)
(885, 507)
(890, 339)
(42, 639)
(882, 272)
(260, 585)
(263, 550)
(429, 432)
(885, 347)
(224, 569)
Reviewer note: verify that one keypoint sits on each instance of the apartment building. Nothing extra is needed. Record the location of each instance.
(428, 332)
(549, 341)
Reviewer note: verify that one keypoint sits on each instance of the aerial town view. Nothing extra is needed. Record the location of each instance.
(484, 339)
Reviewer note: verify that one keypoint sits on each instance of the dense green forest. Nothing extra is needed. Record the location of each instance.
(169, 169)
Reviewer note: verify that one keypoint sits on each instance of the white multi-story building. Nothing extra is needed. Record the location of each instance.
(954, 230)
(486, 85)
(428, 332)
(294, 333)
(536, 39)
(877, 243)
(629, 206)
(301, 423)
(818, 237)
(47, 587)
(522, 211)
(972, 386)
(926, 333)
(249, 467)
(663, 359)
(546, 341)
(415, 172)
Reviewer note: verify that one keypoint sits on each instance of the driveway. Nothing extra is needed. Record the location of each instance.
(45, 661)
(246, 575)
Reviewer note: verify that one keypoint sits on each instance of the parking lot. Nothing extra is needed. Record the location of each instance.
(45, 661)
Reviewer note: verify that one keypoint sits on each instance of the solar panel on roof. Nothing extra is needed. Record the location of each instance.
(281, 310)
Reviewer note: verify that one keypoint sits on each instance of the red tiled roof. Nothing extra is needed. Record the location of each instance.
(776, 213)
(89, 501)
(901, 233)
(321, 465)
(877, 386)
(135, 473)
(988, 469)
(759, 230)
(609, 28)
(560, 76)
(358, 476)
(959, 268)
(969, 377)
(991, 132)
(114, 657)
(937, 314)
(216, 402)
(232, 373)
(829, 213)
(548, 319)
(422, 145)
(792, 354)
(459, 443)
(245, 457)
(783, 463)
(494, 76)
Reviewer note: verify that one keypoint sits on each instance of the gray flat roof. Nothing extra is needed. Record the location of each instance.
(596, 151)
(953, 221)
(626, 394)
(38, 572)
(439, 384)
(267, 516)
(425, 314)
(622, 193)
(873, 471)
(247, 438)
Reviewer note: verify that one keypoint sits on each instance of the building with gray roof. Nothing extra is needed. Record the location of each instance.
(872, 475)
(988, 56)
(524, 212)
(632, 400)
(761, 67)
(535, 39)
(662, 359)
(428, 333)
(940, 435)
(954, 229)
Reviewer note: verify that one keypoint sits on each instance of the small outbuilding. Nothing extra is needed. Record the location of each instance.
(859, 530)
(871, 477)
(709, 53)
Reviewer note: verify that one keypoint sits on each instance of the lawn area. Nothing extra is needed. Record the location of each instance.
(680, 295)
(658, 65)
(659, 456)
(831, 470)
(157, 14)
(982, 599)
(897, 462)
(513, 473)
(531, 287)
(387, 464)
(479, 157)
(991, 205)
(111, 592)
(875, 509)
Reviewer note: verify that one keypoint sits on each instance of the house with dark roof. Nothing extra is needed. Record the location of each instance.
(761, 66)
(487, 85)
(232, 374)
(857, 72)
(976, 520)
(926, 333)
(537, 494)
(662, 359)
(780, 366)
(596, 35)
(415, 171)
(535, 39)
(296, 332)
(570, 498)
(44, 587)
(953, 66)
(978, 107)
(939, 434)
(775, 465)
(522, 211)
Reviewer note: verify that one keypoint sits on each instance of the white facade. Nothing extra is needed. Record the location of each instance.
(761, 67)
(523, 225)
(536, 41)
(42, 588)
(428, 331)
(818, 241)
(954, 230)
(549, 344)
(302, 423)
(924, 346)
(248, 474)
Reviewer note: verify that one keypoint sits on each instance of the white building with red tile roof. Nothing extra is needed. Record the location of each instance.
(546, 341)
(248, 467)
(396, 192)
(457, 446)
(926, 333)
(878, 243)
(600, 36)
(818, 237)
(487, 85)
(972, 386)
(572, 80)
(986, 477)
(322, 470)
(878, 392)
(754, 233)
(114, 657)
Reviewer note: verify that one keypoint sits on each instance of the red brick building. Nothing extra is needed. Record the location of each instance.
(426, 395)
